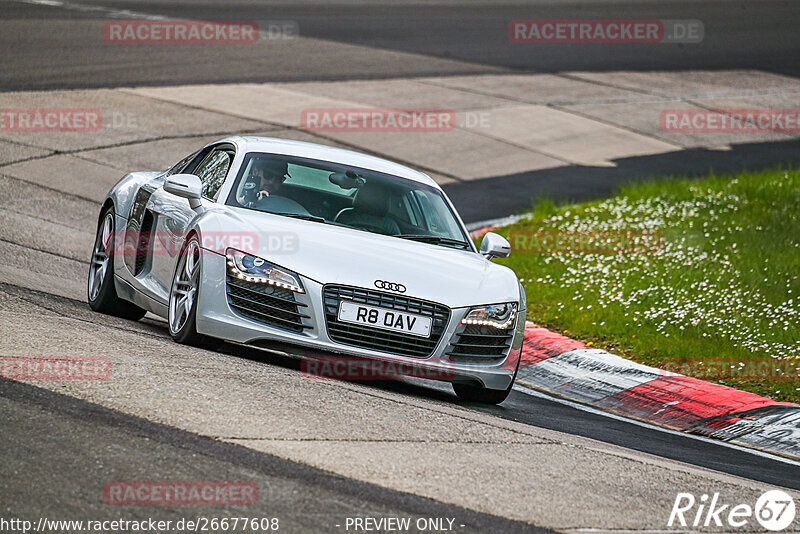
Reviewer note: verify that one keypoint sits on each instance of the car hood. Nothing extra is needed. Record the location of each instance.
(331, 254)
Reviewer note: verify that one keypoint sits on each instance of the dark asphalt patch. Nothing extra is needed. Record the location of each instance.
(62, 51)
(498, 196)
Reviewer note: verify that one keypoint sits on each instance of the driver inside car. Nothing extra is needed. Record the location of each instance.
(268, 175)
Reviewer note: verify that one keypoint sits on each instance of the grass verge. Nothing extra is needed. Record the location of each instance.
(695, 276)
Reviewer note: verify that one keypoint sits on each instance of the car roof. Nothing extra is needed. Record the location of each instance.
(290, 147)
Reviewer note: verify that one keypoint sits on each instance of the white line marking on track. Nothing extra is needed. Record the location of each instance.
(595, 411)
(499, 222)
(52, 3)
(84, 8)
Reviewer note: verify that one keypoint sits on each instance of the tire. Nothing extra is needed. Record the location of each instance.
(183, 297)
(470, 393)
(101, 294)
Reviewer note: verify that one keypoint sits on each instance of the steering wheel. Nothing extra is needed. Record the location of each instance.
(279, 204)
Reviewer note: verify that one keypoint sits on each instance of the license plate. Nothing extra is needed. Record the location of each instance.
(397, 321)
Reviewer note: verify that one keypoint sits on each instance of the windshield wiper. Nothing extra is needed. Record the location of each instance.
(303, 216)
(434, 239)
(309, 217)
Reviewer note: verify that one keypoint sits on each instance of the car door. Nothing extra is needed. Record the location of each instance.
(172, 215)
(138, 229)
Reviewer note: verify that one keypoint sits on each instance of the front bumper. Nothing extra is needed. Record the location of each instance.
(216, 318)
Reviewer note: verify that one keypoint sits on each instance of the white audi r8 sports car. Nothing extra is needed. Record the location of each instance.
(273, 242)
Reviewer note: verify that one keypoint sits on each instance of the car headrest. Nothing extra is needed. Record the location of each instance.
(372, 200)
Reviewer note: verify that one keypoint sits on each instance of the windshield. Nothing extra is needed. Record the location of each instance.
(358, 198)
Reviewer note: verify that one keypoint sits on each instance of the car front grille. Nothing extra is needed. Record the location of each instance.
(267, 304)
(475, 344)
(383, 340)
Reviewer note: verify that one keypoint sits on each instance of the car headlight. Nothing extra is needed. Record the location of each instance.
(496, 315)
(254, 269)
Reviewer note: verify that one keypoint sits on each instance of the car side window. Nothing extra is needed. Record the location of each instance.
(178, 167)
(213, 170)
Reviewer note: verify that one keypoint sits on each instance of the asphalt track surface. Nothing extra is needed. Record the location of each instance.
(74, 441)
(59, 46)
(738, 34)
(54, 443)
(521, 407)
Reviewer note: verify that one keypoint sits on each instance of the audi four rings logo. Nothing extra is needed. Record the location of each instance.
(390, 286)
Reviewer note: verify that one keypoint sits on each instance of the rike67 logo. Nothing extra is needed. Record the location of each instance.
(774, 511)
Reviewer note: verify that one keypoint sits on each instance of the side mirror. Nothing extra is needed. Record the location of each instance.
(495, 246)
(185, 186)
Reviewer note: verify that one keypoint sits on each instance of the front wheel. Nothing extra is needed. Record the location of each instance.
(470, 393)
(101, 294)
(183, 297)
